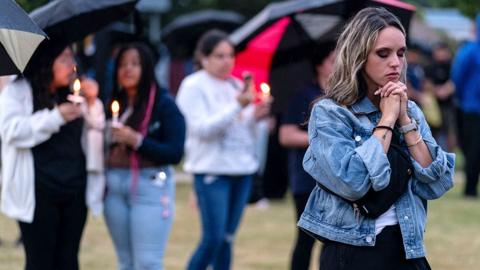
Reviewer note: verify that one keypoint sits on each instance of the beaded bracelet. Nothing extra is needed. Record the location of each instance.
(384, 127)
(420, 138)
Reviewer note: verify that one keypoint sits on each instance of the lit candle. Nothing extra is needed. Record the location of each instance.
(115, 111)
(265, 88)
(76, 98)
(76, 87)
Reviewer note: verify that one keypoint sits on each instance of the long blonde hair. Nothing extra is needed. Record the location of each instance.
(347, 84)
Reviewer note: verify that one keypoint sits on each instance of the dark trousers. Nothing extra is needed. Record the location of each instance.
(471, 149)
(387, 253)
(302, 250)
(52, 240)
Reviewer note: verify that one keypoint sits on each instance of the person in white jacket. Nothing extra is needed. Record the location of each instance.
(93, 138)
(222, 127)
(44, 175)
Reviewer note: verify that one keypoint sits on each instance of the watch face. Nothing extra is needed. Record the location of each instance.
(412, 126)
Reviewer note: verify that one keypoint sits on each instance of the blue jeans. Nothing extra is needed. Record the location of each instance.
(139, 222)
(221, 200)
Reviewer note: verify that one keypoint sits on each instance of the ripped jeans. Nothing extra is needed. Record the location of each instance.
(139, 220)
(221, 200)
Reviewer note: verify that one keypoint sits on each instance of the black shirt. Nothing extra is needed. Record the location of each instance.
(439, 73)
(298, 113)
(59, 162)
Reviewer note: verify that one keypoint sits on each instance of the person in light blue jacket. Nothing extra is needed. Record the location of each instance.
(350, 131)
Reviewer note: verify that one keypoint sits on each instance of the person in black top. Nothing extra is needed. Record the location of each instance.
(294, 135)
(438, 78)
(54, 128)
(415, 74)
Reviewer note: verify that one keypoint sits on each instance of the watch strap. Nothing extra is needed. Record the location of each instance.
(409, 127)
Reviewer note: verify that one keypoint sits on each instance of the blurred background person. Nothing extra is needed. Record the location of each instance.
(94, 115)
(438, 79)
(294, 136)
(147, 139)
(466, 76)
(41, 137)
(222, 127)
(415, 74)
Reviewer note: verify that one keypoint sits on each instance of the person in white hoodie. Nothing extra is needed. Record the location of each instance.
(222, 129)
(44, 167)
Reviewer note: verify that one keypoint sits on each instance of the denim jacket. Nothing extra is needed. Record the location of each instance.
(345, 158)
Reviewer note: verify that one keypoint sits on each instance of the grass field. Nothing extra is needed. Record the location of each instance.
(265, 237)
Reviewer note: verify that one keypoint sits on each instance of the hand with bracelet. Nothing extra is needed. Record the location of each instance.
(413, 138)
(390, 108)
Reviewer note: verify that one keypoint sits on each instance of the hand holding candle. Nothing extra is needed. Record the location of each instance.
(115, 111)
(76, 98)
(263, 107)
(265, 88)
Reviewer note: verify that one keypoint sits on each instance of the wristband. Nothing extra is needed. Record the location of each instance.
(383, 127)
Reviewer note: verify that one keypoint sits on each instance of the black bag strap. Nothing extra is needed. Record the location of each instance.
(373, 205)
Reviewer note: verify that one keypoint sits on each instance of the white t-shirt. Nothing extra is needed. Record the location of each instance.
(388, 218)
(221, 135)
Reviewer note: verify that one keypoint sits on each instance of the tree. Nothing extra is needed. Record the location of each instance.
(468, 7)
(29, 5)
(246, 8)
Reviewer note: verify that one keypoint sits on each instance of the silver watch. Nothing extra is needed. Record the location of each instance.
(412, 126)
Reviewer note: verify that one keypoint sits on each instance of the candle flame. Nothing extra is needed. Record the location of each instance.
(265, 89)
(76, 86)
(115, 107)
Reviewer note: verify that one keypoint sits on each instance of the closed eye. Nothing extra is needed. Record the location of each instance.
(383, 53)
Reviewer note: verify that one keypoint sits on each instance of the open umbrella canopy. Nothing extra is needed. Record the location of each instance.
(182, 34)
(277, 44)
(19, 38)
(71, 20)
(68, 21)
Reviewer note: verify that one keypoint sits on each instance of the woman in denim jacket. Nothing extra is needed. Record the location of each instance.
(350, 131)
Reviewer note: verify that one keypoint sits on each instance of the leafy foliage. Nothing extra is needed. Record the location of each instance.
(468, 7)
(29, 5)
(246, 8)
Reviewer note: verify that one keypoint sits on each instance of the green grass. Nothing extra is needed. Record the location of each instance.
(265, 236)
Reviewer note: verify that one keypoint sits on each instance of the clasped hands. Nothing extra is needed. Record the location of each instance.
(393, 103)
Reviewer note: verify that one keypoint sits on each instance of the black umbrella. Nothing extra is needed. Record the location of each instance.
(68, 21)
(71, 20)
(182, 34)
(286, 34)
(19, 38)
